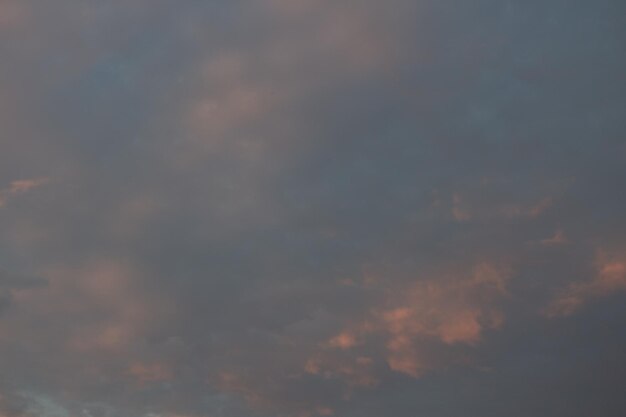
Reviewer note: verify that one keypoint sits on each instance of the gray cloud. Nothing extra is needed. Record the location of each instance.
(307, 208)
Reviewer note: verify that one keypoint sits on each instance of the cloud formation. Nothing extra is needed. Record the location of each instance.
(610, 278)
(304, 208)
(20, 187)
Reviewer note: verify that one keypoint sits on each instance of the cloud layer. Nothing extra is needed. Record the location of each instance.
(304, 208)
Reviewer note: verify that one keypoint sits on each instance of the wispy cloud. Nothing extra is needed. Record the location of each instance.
(610, 278)
(18, 187)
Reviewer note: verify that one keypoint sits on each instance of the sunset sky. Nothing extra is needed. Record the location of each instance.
(312, 208)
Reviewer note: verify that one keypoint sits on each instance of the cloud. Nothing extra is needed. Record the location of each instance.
(18, 187)
(448, 309)
(11, 406)
(559, 238)
(149, 373)
(309, 208)
(610, 278)
(474, 209)
(14, 283)
(13, 14)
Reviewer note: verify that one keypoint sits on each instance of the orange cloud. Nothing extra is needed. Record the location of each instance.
(455, 313)
(610, 278)
(451, 309)
(459, 211)
(343, 341)
(113, 312)
(20, 187)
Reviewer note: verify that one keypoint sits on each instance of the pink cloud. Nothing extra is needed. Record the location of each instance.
(104, 293)
(344, 340)
(449, 309)
(20, 187)
(610, 278)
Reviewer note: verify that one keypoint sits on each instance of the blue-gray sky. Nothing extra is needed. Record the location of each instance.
(310, 208)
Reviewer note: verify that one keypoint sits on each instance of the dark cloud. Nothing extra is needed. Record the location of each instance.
(307, 208)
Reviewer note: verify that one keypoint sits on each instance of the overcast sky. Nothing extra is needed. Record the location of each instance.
(312, 208)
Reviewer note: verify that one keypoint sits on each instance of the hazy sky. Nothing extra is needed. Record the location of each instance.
(312, 208)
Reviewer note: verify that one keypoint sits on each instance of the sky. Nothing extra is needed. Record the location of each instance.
(312, 208)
